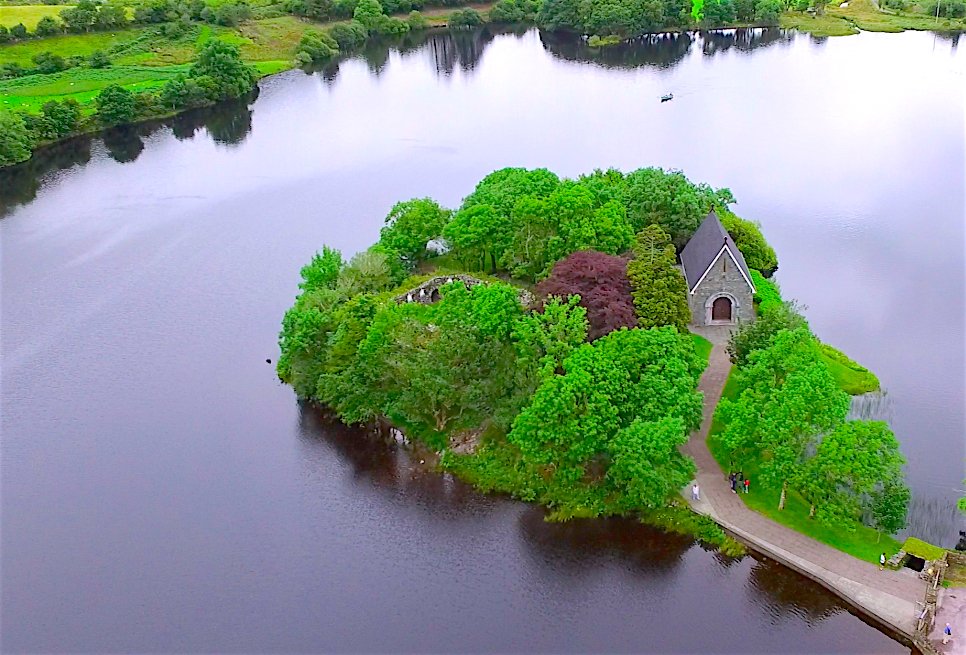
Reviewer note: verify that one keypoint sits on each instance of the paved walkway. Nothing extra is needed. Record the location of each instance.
(952, 610)
(890, 596)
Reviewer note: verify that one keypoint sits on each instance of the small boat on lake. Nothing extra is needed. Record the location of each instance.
(667, 96)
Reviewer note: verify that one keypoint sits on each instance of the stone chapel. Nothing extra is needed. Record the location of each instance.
(720, 290)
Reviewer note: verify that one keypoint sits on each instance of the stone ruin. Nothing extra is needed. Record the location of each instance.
(428, 292)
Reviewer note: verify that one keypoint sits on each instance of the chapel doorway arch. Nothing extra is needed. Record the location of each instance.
(721, 309)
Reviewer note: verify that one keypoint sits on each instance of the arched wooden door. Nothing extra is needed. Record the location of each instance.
(721, 309)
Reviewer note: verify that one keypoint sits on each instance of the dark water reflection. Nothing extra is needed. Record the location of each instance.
(162, 491)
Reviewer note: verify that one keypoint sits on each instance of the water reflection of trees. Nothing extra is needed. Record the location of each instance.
(19, 184)
(580, 543)
(227, 123)
(654, 50)
(381, 465)
(662, 50)
(743, 39)
(784, 592)
(447, 50)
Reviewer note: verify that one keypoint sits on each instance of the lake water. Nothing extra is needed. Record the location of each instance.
(161, 491)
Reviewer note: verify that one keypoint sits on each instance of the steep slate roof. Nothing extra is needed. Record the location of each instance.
(703, 249)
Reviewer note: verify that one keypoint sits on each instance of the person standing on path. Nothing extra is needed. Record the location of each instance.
(747, 484)
(947, 634)
(695, 492)
(882, 561)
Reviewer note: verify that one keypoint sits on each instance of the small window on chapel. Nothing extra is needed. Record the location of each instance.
(724, 269)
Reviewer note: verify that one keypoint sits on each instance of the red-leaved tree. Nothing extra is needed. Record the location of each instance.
(601, 281)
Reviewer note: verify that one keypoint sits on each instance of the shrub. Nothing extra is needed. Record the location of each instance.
(47, 26)
(759, 334)
(317, 46)
(388, 25)
(18, 31)
(16, 140)
(768, 11)
(115, 105)
(601, 282)
(416, 21)
(99, 60)
(464, 19)
(766, 292)
(4, 34)
(349, 35)
(48, 62)
(368, 12)
(750, 241)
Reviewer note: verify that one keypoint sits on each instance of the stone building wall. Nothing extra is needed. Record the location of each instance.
(724, 279)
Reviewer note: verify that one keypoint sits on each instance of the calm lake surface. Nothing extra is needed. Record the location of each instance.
(161, 491)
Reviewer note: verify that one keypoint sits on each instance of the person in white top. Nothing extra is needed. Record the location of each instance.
(695, 492)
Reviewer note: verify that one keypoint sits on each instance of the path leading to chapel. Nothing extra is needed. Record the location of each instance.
(890, 596)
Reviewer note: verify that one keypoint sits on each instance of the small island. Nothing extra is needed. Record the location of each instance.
(546, 339)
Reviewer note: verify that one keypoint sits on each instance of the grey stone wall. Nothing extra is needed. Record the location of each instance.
(724, 279)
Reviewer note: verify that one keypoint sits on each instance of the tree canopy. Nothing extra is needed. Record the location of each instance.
(600, 281)
(660, 291)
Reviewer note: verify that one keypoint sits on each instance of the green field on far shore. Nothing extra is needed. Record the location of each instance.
(11, 15)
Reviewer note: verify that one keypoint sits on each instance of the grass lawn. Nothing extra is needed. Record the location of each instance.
(701, 346)
(81, 84)
(141, 60)
(29, 15)
(851, 377)
(825, 25)
(922, 549)
(867, 17)
(861, 542)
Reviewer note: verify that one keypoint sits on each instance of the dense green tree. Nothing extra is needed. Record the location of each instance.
(669, 199)
(475, 233)
(659, 290)
(18, 31)
(186, 92)
(628, 375)
(647, 464)
(852, 464)
(368, 12)
(222, 63)
(559, 15)
(318, 45)
(546, 230)
(110, 17)
(768, 11)
(366, 272)
(48, 62)
(546, 338)
(16, 141)
(58, 119)
(416, 21)
(46, 26)
(788, 399)
(514, 11)
(890, 506)
(759, 334)
(99, 59)
(115, 105)
(410, 226)
(323, 271)
(80, 18)
(748, 237)
(349, 35)
(464, 19)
